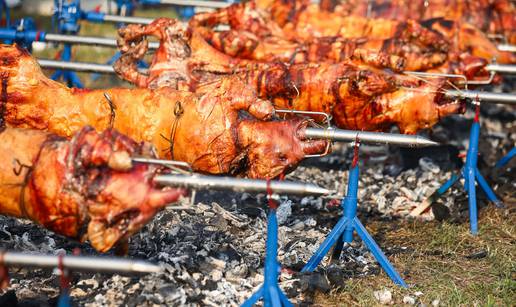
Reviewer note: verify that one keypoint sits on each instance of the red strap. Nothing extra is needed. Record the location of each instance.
(97, 8)
(282, 176)
(38, 36)
(477, 110)
(64, 281)
(355, 152)
(76, 251)
(272, 203)
(58, 55)
(4, 273)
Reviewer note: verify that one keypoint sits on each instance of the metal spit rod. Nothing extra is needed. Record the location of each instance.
(506, 47)
(80, 66)
(501, 98)
(127, 19)
(77, 66)
(86, 40)
(369, 137)
(80, 263)
(500, 68)
(195, 181)
(201, 3)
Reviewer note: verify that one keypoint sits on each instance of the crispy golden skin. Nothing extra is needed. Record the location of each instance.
(85, 188)
(495, 17)
(395, 54)
(301, 21)
(366, 97)
(203, 128)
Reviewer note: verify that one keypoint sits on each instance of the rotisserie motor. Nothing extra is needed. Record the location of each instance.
(85, 188)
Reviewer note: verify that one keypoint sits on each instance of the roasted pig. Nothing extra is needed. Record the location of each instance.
(204, 129)
(298, 20)
(395, 54)
(85, 188)
(357, 97)
(494, 17)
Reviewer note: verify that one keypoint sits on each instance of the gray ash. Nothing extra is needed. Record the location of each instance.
(214, 253)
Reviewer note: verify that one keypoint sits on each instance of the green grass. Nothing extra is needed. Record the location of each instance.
(439, 264)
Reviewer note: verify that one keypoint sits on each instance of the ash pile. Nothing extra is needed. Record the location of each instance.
(214, 253)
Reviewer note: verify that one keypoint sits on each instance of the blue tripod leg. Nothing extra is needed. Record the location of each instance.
(472, 200)
(64, 299)
(74, 80)
(487, 189)
(254, 298)
(332, 238)
(448, 184)
(503, 161)
(378, 254)
(57, 74)
(272, 297)
(284, 299)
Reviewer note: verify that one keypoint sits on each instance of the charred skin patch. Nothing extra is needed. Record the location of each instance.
(8, 60)
(4, 76)
(439, 21)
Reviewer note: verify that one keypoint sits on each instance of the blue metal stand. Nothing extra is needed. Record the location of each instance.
(472, 175)
(270, 290)
(64, 298)
(125, 7)
(508, 157)
(70, 77)
(66, 17)
(343, 231)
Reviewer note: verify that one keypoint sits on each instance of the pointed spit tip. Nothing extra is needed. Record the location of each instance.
(317, 190)
(145, 267)
(424, 142)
